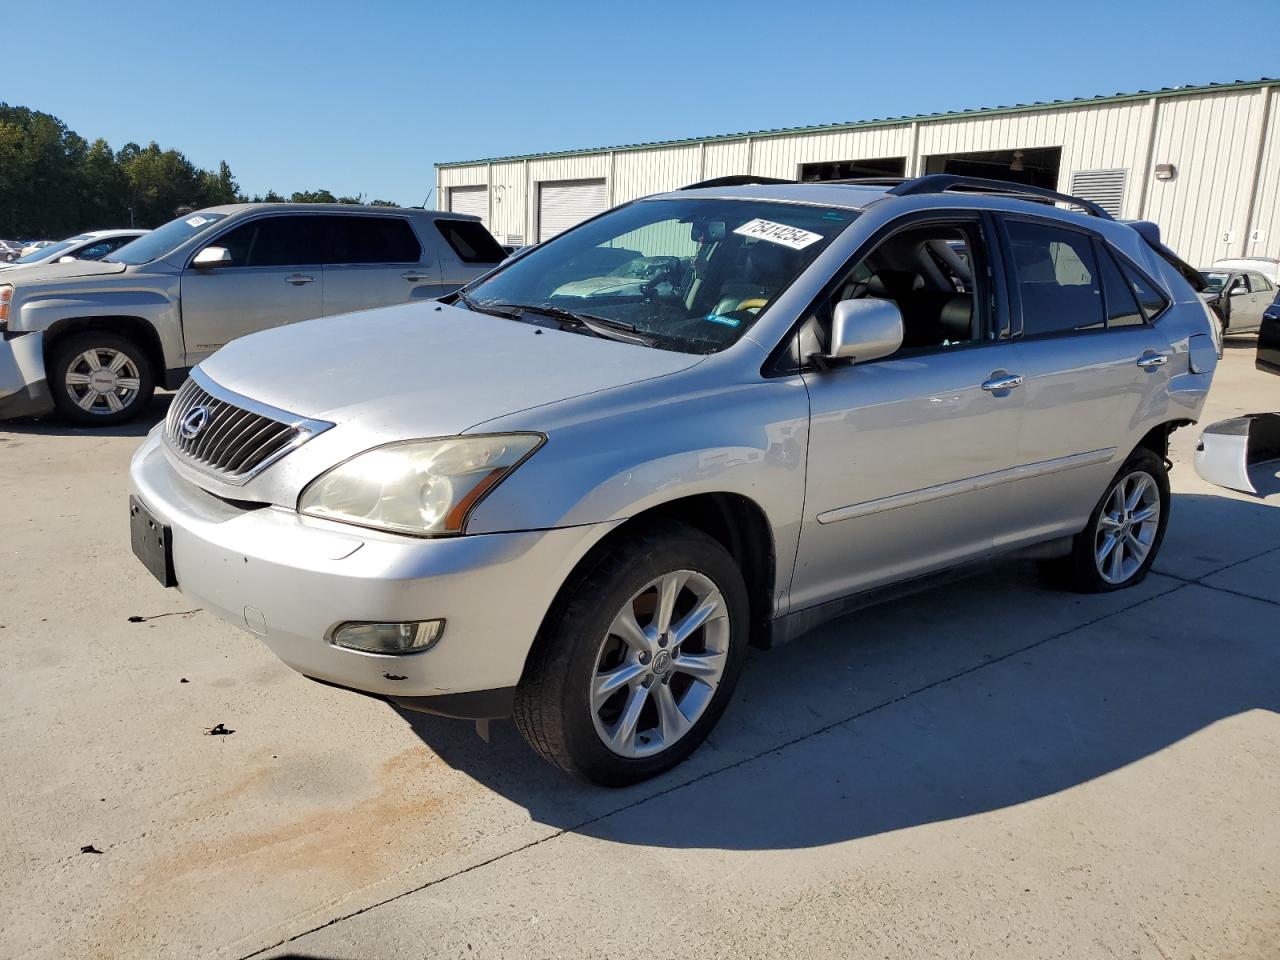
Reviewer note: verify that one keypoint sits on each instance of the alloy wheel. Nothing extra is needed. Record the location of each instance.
(659, 664)
(1127, 527)
(103, 381)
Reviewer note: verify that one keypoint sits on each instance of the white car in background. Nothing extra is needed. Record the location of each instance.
(93, 245)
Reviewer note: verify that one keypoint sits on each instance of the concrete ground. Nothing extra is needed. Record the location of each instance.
(991, 770)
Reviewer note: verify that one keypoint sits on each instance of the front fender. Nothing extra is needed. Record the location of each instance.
(47, 312)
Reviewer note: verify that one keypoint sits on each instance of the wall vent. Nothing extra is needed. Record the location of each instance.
(1103, 187)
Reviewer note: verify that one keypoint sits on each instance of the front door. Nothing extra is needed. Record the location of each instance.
(275, 277)
(909, 455)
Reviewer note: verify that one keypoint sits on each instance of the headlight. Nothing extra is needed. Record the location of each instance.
(420, 487)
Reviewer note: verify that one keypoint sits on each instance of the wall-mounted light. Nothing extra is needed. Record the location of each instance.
(1165, 171)
(1017, 166)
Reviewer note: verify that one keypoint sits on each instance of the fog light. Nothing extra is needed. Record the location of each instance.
(411, 637)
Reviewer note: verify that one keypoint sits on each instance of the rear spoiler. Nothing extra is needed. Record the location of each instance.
(1150, 232)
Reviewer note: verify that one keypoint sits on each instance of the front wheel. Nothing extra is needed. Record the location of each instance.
(637, 659)
(100, 379)
(1125, 530)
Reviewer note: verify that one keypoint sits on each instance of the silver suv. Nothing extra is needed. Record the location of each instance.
(95, 339)
(578, 490)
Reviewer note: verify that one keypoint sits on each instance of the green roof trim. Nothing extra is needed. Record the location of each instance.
(887, 121)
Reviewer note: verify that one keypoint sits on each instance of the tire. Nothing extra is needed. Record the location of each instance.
(1083, 570)
(100, 402)
(582, 648)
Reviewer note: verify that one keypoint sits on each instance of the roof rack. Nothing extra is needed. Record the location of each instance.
(942, 182)
(736, 180)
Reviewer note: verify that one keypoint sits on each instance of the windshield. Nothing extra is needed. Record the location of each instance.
(154, 245)
(1214, 282)
(51, 252)
(687, 274)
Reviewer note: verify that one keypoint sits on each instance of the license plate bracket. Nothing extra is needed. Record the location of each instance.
(152, 542)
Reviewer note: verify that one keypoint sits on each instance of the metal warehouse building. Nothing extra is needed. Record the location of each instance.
(1203, 162)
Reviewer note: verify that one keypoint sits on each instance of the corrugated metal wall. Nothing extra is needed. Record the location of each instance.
(1214, 140)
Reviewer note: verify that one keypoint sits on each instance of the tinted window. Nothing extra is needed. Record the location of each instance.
(274, 242)
(372, 240)
(100, 249)
(1122, 305)
(1152, 300)
(471, 241)
(1057, 277)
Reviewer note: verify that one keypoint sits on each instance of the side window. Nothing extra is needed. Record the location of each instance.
(273, 242)
(1257, 283)
(97, 251)
(1122, 304)
(355, 239)
(471, 241)
(1057, 279)
(934, 272)
(1153, 302)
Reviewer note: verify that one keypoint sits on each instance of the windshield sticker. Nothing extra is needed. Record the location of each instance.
(779, 233)
(726, 321)
(197, 221)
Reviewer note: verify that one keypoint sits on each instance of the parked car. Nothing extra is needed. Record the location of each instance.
(1238, 297)
(33, 245)
(1269, 267)
(93, 245)
(577, 489)
(10, 250)
(1268, 357)
(93, 340)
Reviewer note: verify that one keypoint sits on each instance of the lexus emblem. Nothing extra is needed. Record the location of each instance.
(193, 422)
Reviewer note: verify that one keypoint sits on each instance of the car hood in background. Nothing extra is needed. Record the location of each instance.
(426, 369)
(17, 273)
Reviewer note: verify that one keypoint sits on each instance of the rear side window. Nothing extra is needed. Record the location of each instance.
(1121, 303)
(471, 241)
(274, 242)
(355, 239)
(1057, 279)
(1152, 300)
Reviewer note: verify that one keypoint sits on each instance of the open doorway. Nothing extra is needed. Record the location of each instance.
(1034, 166)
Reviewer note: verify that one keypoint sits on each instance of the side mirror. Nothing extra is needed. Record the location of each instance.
(865, 329)
(211, 257)
(66, 259)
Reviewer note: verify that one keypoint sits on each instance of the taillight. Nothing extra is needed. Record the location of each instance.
(6, 295)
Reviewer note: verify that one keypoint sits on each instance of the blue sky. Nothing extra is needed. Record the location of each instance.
(363, 97)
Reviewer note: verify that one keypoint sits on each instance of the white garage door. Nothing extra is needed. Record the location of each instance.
(564, 203)
(472, 200)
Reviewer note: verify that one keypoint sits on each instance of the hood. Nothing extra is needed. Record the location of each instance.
(426, 369)
(17, 273)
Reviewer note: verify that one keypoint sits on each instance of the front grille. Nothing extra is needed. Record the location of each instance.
(230, 437)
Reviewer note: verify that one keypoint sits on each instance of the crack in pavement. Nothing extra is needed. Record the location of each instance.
(1180, 584)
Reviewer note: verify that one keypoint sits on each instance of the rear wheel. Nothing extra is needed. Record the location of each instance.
(1125, 530)
(637, 659)
(99, 379)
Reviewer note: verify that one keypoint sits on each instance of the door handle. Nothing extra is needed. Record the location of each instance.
(298, 279)
(414, 277)
(1007, 382)
(1149, 361)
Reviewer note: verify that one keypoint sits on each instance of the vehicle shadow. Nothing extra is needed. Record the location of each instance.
(971, 698)
(54, 426)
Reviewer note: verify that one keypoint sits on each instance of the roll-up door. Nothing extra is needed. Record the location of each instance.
(565, 203)
(472, 200)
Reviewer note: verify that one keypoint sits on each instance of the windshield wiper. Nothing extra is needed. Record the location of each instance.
(600, 326)
(471, 304)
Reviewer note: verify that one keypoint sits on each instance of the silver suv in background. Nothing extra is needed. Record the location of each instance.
(94, 339)
(578, 489)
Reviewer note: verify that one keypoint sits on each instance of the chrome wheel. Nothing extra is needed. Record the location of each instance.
(102, 381)
(658, 666)
(1127, 527)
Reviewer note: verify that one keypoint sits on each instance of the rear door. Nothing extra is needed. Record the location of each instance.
(375, 261)
(467, 251)
(1095, 370)
(275, 277)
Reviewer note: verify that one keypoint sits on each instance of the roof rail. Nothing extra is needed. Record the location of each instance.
(736, 180)
(942, 182)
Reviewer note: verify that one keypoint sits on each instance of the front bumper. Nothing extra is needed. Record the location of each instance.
(23, 389)
(292, 579)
